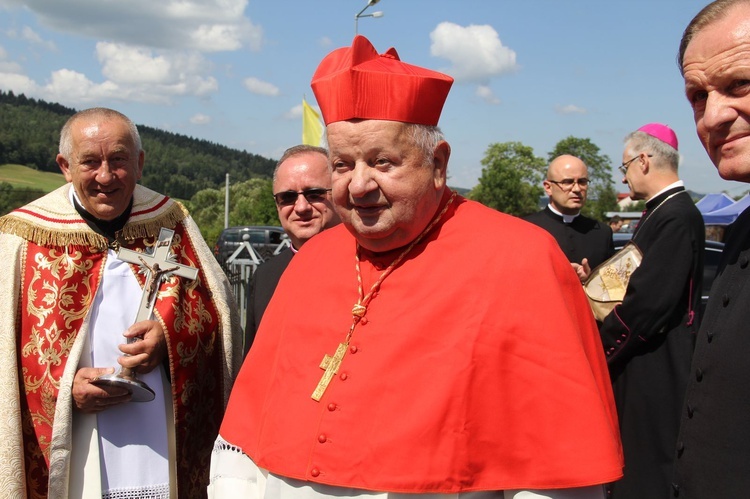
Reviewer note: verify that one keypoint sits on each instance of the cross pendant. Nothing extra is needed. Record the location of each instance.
(331, 366)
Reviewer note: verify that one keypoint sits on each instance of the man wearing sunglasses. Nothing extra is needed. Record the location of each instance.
(585, 241)
(648, 339)
(301, 188)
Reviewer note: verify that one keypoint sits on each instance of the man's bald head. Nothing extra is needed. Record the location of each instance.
(567, 184)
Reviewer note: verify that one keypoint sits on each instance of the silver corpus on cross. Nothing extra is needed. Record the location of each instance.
(158, 266)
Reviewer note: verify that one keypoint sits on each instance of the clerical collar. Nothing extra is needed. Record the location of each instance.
(566, 218)
(106, 228)
(656, 198)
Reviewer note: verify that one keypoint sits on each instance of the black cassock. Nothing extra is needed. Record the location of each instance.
(649, 340)
(262, 285)
(582, 238)
(713, 446)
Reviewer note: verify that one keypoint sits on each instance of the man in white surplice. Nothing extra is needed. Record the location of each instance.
(68, 307)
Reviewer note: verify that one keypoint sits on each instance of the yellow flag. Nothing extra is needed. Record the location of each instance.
(312, 127)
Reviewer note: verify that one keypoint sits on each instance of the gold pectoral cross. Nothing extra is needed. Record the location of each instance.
(331, 366)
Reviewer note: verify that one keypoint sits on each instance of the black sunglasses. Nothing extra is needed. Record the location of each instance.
(288, 198)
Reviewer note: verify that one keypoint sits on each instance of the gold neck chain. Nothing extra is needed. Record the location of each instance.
(331, 364)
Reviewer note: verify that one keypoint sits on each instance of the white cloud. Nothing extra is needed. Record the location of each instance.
(261, 87)
(200, 119)
(570, 109)
(217, 37)
(202, 25)
(132, 65)
(7, 66)
(32, 36)
(325, 42)
(18, 83)
(29, 35)
(475, 52)
(485, 93)
(71, 86)
(152, 77)
(154, 50)
(294, 113)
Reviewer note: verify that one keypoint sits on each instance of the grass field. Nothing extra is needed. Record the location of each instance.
(21, 177)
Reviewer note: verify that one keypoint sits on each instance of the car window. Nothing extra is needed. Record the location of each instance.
(257, 237)
(275, 237)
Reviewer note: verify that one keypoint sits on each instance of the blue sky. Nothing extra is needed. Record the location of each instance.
(235, 71)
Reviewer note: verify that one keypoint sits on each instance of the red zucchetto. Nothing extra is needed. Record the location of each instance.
(358, 83)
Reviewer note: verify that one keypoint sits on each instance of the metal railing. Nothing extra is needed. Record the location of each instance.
(239, 271)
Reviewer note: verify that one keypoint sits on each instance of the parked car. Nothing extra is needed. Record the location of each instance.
(711, 257)
(264, 239)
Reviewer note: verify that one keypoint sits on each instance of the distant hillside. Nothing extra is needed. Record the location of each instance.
(25, 178)
(176, 165)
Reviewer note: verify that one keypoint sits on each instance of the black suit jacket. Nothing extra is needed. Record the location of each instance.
(582, 238)
(713, 446)
(262, 286)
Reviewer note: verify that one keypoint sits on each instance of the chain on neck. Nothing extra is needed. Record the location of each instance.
(360, 308)
(643, 221)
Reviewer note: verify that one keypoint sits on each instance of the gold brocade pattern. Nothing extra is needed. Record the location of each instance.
(60, 284)
(192, 314)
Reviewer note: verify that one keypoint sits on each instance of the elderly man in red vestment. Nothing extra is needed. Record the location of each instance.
(68, 301)
(443, 347)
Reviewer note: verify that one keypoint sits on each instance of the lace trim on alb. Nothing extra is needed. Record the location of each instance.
(222, 445)
(150, 492)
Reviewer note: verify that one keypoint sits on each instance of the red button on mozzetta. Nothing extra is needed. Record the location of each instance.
(331, 406)
(322, 439)
(315, 472)
(353, 349)
(343, 376)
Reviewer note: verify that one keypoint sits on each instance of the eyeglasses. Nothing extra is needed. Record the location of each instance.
(567, 184)
(624, 167)
(288, 198)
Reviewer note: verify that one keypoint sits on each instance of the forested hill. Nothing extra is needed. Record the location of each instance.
(176, 165)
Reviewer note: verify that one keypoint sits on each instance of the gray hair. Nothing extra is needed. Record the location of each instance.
(66, 134)
(708, 15)
(638, 142)
(426, 137)
(297, 151)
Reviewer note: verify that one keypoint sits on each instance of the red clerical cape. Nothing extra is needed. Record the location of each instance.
(478, 366)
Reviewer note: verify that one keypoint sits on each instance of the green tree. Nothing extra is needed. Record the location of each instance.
(253, 203)
(250, 203)
(12, 198)
(639, 205)
(602, 196)
(511, 178)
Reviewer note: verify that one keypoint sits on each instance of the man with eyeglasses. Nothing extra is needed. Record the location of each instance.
(585, 241)
(301, 188)
(648, 339)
